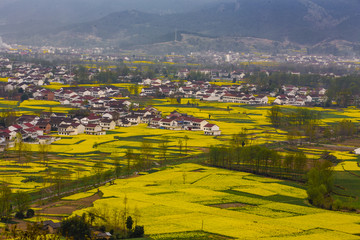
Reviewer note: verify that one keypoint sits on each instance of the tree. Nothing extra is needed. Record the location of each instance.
(214, 155)
(76, 227)
(163, 146)
(320, 184)
(146, 150)
(44, 150)
(293, 136)
(310, 131)
(275, 116)
(129, 157)
(21, 201)
(19, 145)
(24, 97)
(59, 178)
(240, 139)
(180, 142)
(7, 117)
(289, 162)
(138, 232)
(117, 167)
(129, 223)
(82, 75)
(98, 168)
(236, 143)
(123, 70)
(137, 215)
(198, 76)
(134, 89)
(184, 177)
(345, 128)
(5, 202)
(27, 153)
(30, 213)
(300, 160)
(80, 113)
(125, 211)
(186, 139)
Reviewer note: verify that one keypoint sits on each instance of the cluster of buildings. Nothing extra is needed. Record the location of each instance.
(301, 96)
(36, 129)
(235, 93)
(20, 74)
(89, 96)
(297, 57)
(29, 78)
(181, 121)
(30, 128)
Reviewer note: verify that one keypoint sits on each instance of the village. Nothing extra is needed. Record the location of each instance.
(107, 106)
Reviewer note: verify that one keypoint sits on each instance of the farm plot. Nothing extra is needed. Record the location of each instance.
(37, 106)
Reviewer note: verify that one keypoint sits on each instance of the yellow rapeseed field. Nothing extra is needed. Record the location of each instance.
(191, 197)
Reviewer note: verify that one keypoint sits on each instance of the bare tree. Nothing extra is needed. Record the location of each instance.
(44, 150)
(180, 142)
(146, 152)
(186, 138)
(19, 145)
(5, 197)
(163, 146)
(129, 157)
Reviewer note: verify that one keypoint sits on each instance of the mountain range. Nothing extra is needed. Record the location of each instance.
(326, 25)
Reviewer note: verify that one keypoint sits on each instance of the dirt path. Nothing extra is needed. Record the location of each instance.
(328, 147)
(56, 210)
(66, 206)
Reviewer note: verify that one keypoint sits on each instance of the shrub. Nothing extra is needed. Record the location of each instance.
(37, 179)
(30, 213)
(138, 232)
(129, 223)
(337, 205)
(102, 228)
(19, 215)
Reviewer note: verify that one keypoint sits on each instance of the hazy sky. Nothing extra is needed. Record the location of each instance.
(67, 11)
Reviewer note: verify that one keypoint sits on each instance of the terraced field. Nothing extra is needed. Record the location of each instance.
(77, 155)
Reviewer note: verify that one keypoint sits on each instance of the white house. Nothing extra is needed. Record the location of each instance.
(168, 124)
(133, 119)
(71, 129)
(198, 124)
(107, 124)
(147, 81)
(357, 151)
(212, 129)
(94, 129)
(78, 128)
(65, 102)
(261, 99)
(65, 129)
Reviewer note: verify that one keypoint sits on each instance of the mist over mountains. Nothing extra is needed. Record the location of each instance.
(330, 25)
